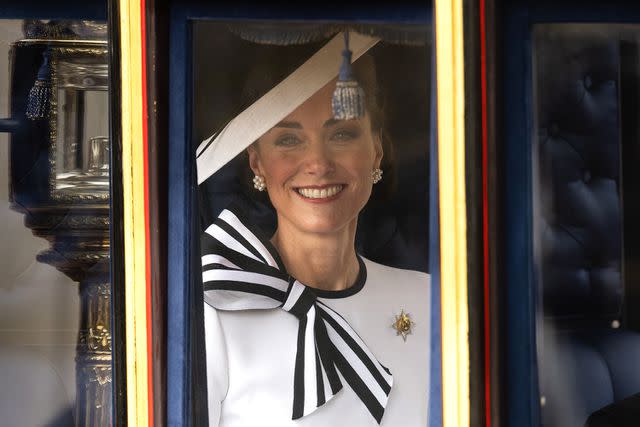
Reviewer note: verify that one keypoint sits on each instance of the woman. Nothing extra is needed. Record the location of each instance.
(300, 329)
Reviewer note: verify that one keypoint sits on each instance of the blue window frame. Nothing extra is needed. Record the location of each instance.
(183, 216)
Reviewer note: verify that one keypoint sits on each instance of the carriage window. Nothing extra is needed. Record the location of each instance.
(55, 322)
(304, 156)
(585, 155)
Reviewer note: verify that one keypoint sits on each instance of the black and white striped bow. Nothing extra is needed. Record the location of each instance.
(242, 271)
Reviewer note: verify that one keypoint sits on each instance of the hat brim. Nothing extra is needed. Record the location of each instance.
(217, 150)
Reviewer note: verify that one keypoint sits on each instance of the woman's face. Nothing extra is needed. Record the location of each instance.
(317, 169)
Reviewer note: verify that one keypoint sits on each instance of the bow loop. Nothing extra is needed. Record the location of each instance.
(299, 299)
(242, 271)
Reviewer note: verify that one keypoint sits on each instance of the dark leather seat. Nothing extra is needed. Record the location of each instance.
(586, 360)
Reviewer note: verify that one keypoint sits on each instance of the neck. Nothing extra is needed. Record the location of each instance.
(323, 261)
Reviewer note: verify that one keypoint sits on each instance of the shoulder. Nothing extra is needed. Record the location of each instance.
(399, 276)
(393, 281)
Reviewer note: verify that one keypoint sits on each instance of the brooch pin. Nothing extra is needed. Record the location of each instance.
(403, 324)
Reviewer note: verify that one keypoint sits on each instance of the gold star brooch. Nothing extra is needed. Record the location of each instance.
(403, 324)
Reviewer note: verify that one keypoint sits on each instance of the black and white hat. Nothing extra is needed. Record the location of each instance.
(217, 150)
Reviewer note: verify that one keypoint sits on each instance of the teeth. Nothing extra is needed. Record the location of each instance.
(316, 193)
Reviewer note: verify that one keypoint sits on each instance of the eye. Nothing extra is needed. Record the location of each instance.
(344, 135)
(287, 140)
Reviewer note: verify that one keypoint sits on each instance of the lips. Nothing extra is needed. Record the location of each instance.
(320, 193)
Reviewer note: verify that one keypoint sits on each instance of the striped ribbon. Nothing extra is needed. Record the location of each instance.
(242, 271)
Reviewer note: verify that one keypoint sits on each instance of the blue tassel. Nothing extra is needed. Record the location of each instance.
(38, 105)
(348, 98)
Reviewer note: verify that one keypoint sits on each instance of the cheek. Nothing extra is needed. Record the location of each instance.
(362, 171)
(363, 163)
(279, 168)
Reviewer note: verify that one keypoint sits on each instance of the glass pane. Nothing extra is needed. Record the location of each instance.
(585, 155)
(55, 290)
(306, 183)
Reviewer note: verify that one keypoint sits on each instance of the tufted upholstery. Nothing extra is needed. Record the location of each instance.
(579, 203)
(584, 363)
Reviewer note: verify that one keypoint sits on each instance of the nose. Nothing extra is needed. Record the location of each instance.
(318, 159)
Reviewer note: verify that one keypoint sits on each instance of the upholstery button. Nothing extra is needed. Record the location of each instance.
(588, 82)
(586, 176)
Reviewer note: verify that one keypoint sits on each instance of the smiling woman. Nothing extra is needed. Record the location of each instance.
(318, 174)
(301, 329)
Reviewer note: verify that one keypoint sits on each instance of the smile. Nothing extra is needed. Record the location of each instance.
(320, 193)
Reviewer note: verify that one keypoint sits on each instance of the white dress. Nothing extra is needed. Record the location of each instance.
(251, 354)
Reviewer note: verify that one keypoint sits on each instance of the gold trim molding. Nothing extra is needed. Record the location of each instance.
(453, 221)
(135, 231)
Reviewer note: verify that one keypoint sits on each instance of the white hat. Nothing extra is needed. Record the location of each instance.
(217, 150)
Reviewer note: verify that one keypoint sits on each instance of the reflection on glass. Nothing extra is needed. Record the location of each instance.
(55, 290)
(81, 108)
(585, 86)
(305, 178)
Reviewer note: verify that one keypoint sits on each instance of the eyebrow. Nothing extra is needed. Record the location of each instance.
(296, 125)
(331, 122)
(289, 125)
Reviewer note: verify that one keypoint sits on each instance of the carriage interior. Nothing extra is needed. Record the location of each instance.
(580, 193)
(588, 339)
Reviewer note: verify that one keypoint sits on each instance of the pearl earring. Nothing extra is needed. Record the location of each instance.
(258, 183)
(376, 175)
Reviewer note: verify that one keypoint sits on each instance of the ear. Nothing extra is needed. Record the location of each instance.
(254, 159)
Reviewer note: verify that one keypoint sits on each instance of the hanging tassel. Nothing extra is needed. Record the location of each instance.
(40, 94)
(348, 98)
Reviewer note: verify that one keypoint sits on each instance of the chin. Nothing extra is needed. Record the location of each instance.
(319, 219)
(323, 225)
